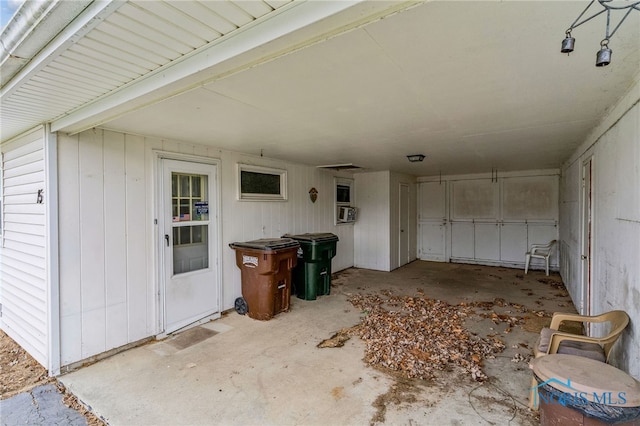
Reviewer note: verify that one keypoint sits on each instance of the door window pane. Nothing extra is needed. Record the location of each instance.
(189, 197)
(190, 204)
(174, 185)
(195, 187)
(191, 256)
(184, 185)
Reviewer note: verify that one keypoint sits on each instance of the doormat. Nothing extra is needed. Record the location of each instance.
(190, 337)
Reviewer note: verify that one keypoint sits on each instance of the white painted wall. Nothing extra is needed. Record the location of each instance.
(376, 231)
(108, 268)
(615, 146)
(107, 276)
(372, 235)
(24, 291)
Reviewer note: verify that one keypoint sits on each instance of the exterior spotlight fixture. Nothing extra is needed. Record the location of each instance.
(603, 57)
(415, 158)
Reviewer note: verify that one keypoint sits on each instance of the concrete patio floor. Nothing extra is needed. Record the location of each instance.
(247, 372)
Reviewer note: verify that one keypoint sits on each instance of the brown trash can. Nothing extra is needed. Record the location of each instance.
(265, 269)
(578, 391)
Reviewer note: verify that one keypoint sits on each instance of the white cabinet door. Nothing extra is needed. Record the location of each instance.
(487, 241)
(490, 221)
(513, 242)
(432, 241)
(476, 199)
(432, 197)
(462, 246)
(530, 198)
(432, 222)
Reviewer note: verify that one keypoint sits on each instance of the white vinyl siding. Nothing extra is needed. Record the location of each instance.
(109, 279)
(23, 276)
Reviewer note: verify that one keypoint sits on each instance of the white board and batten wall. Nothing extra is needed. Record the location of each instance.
(602, 271)
(24, 292)
(109, 274)
(377, 230)
(488, 220)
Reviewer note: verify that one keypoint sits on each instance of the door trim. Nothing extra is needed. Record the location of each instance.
(404, 186)
(158, 234)
(586, 235)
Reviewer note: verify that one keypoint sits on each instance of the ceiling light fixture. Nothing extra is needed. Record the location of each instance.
(415, 158)
(603, 57)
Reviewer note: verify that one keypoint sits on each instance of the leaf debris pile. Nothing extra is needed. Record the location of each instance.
(421, 336)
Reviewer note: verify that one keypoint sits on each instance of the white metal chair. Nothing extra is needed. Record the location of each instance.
(540, 251)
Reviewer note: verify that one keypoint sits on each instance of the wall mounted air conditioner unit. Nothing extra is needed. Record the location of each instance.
(347, 214)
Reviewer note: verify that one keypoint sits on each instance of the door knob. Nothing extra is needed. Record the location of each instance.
(166, 238)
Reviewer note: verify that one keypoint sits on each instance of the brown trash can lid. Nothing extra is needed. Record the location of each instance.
(318, 237)
(267, 244)
(590, 378)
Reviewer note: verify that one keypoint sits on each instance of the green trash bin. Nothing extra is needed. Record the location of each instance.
(311, 276)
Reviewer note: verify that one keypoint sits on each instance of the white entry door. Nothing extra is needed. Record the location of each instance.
(190, 243)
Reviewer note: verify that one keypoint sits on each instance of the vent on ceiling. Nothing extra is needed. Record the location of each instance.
(347, 166)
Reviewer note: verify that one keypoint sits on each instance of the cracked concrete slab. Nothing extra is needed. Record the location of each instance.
(43, 405)
(274, 373)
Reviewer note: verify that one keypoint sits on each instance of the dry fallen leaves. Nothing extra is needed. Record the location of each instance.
(18, 370)
(417, 336)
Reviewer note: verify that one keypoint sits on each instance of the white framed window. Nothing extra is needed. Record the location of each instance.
(257, 183)
(343, 196)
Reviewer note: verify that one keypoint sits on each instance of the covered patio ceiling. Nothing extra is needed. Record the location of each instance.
(472, 85)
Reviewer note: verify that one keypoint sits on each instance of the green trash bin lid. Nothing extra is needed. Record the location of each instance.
(267, 244)
(318, 237)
